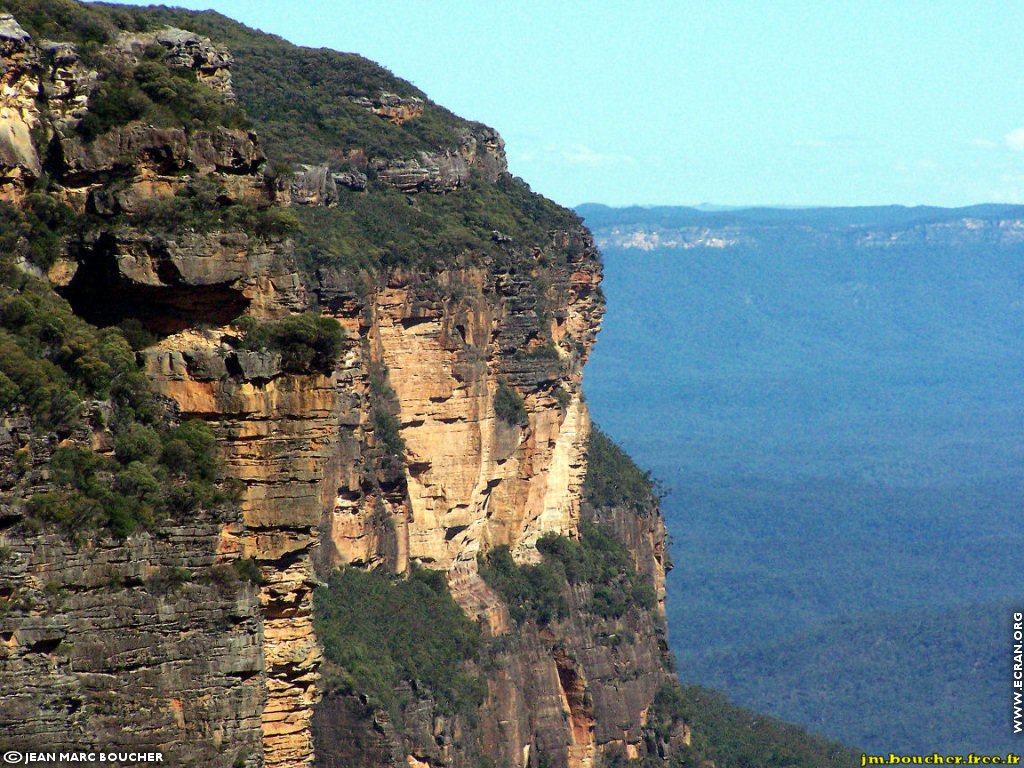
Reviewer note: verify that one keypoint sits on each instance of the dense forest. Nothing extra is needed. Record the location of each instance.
(838, 422)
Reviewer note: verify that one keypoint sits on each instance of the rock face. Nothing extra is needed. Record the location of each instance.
(476, 365)
(19, 113)
(150, 642)
(570, 693)
(274, 429)
(393, 107)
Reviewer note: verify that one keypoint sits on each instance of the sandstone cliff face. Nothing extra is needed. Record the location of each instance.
(473, 479)
(150, 642)
(571, 693)
(221, 675)
(19, 112)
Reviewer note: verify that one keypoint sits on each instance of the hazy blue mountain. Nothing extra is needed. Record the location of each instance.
(836, 397)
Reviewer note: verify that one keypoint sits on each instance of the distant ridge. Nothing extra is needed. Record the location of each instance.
(598, 215)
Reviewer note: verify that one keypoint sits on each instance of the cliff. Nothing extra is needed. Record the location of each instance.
(447, 313)
(295, 466)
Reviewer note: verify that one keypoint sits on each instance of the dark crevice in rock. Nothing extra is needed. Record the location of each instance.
(102, 295)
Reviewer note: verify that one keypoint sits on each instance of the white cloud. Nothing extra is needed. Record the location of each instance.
(574, 154)
(1015, 139)
(581, 154)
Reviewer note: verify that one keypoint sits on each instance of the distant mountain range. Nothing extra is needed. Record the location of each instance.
(649, 228)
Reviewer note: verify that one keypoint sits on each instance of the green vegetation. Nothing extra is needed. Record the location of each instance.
(368, 231)
(51, 360)
(87, 25)
(547, 351)
(228, 576)
(150, 90)
(200, 205)
(65, 373)
(265, 73)
(614, 479)
(538, 592)
(531, 592)
(155, 476)
(380, 631)
(168, 579)
(266, 70)
(386, 427)
(35, 230)
(509, 405)
(383, 228)
(307, 341)
(157, 94)
(248, 570)
(732, 737)
(602, 561)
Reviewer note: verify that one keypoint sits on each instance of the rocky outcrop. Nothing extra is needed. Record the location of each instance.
(147, 643)
(475, 480)
(66, 84)
(483, 149)
(144, 155)
(397, 109)
(182, 49)
(316, 185)
(427, 172)
(480, 149)
(19, 113)
(51, 73)
(172, 282)
(274, 431)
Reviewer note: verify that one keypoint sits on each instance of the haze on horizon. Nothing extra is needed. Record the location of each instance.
(733, 103)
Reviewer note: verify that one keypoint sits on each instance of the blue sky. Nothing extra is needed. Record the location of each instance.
(768, 103)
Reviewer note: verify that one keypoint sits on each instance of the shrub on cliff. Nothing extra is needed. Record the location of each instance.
(35, 230)
(386, 426)
(157, 94)
(52, 360)
(201, 206)
(155, 476)
(509, 405)
(381, 632)
(87, 25)
(602, 561)
(531, 592)
(613, 479)
(65, 374)
(307, 342)
(381, 229)
(149, 90)
(598, 560)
